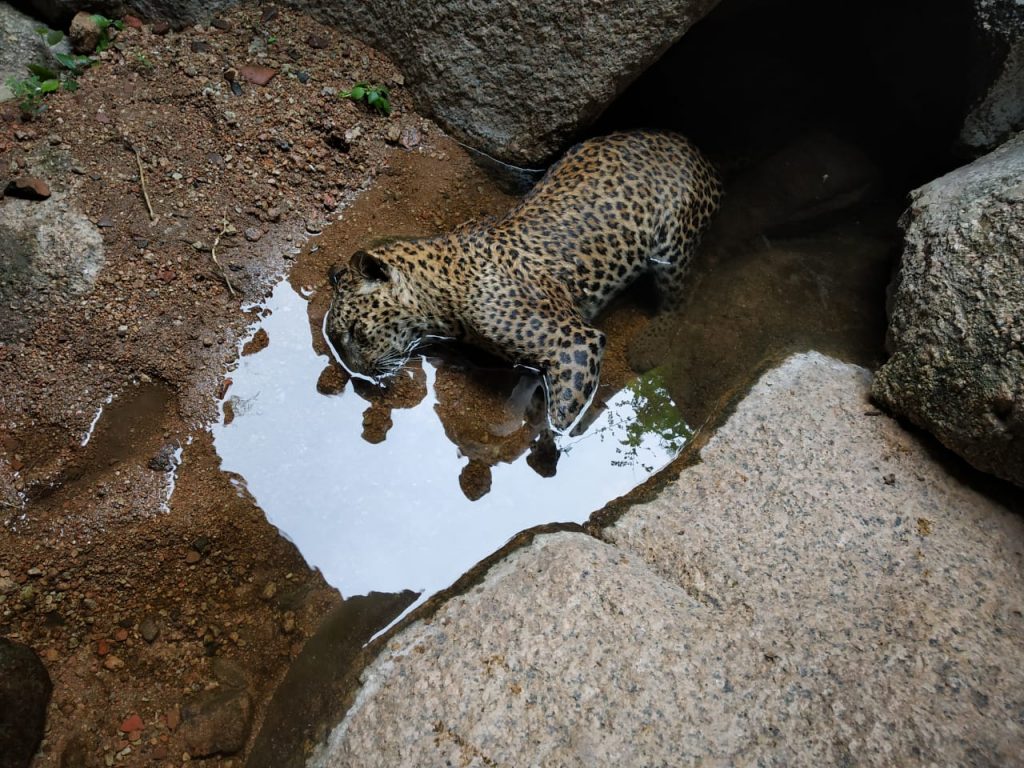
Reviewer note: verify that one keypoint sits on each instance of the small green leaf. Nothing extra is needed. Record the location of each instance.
(42, 71)
(101, 21)
(103, 44)
(383, 106)
(49, 86)
(70, 84)
(372, 97)
(66, 60)
(357, 93)
(118, 25)
(53, 37)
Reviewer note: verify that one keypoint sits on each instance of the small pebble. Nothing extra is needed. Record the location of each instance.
(149, 629)
(132, 723)
(28, 188)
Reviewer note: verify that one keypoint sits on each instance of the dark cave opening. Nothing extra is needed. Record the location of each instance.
(894, 79)
(820, 117)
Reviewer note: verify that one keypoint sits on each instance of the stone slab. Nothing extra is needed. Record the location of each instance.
(818, 591)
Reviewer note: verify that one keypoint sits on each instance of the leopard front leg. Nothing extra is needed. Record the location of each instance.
(572, 370)
(530, 330)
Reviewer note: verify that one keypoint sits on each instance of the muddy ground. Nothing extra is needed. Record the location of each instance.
(136, 603)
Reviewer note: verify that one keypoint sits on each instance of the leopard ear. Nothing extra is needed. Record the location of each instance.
(370, 267)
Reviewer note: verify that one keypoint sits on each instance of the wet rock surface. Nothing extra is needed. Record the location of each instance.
(561, 63)
(24, 693)
(818, 590)
(957, 326)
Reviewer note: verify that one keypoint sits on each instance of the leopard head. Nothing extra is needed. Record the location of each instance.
(375, 320)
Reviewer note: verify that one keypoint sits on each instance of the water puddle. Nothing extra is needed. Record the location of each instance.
(408, 489)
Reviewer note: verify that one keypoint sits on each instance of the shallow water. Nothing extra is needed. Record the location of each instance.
(392, 514)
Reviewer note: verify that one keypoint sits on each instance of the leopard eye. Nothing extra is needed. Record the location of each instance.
(357, 334)
(334, 274)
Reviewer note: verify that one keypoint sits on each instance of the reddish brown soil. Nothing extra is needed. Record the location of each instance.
(92, 562)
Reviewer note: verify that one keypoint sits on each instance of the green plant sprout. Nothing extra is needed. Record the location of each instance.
(105, 26)
(29, 91)
(375, 96)
(43, 79)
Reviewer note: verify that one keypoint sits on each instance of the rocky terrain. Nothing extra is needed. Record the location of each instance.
(812, 582)
(165, 621)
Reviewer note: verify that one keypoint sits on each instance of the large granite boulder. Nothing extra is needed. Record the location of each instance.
(957, 328)
(816, 591)
(24, 694)
(516, 80)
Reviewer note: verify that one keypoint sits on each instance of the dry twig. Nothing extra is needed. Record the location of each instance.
(142, 178)
(213, 253)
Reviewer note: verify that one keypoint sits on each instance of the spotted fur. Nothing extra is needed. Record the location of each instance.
(528, 285)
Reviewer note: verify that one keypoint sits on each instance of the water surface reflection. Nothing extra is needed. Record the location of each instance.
(375, 493)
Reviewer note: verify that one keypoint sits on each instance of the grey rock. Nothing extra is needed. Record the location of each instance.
(781, 604)
(149, 629)
(517, 80)
(21, 45)
(216, 722)
(957, 325)
(179, 13)
(24, 693)
(999, 111)
(49, 248)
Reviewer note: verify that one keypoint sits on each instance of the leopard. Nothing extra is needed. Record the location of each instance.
(528, 285)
